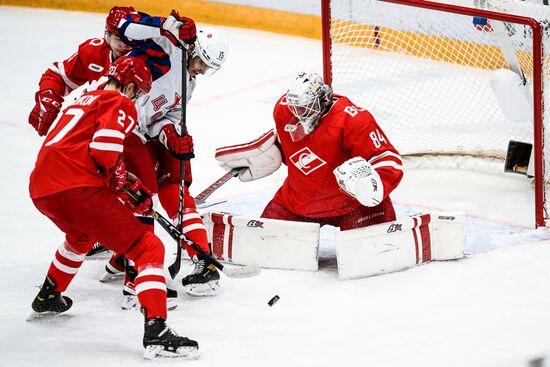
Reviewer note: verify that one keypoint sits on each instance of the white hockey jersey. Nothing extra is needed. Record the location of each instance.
(162, 105)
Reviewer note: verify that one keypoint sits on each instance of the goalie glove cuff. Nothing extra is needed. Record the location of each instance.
(358, 179)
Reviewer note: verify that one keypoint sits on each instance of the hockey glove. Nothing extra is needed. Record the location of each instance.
(117, 177)
(180, 146)
(176, 27)
(48, 105)
(136, 196)
(357, 178)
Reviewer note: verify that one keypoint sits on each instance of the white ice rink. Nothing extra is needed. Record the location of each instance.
(490, 309)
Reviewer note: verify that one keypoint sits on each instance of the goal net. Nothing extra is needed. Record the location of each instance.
(460, 78)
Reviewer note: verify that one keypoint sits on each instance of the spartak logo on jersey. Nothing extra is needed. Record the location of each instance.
(306, 161)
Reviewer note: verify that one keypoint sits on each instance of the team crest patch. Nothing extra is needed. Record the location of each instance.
(306, 161)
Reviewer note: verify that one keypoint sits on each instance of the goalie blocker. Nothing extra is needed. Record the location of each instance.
(361, 252)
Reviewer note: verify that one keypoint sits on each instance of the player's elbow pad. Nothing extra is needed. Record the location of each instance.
(261, 157)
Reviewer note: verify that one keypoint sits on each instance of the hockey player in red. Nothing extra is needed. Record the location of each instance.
(77, 177)
(159, 123)
(88, 64)
(341, 166)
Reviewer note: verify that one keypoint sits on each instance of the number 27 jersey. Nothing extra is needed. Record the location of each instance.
(85, 143)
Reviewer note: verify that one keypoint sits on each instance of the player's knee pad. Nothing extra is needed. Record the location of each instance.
(148, 251)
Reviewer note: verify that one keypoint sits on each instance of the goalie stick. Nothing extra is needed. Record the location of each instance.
(204, 194)
(238, 272)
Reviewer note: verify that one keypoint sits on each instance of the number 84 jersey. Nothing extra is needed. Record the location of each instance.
(85, 143)
(345, 131)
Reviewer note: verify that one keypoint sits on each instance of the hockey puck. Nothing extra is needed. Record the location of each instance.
(273, 300)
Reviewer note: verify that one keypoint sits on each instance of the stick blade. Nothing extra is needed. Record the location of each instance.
(247, 271)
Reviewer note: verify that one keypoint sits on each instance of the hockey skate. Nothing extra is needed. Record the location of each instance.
(161, 341)
(114, 269)
(204, 280)
(130, 301)
(98, 252)
(171, 299)
(48, 302)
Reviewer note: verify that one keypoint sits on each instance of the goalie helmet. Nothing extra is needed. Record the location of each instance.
(308, 98)
(116, 14)
(130, 69)
(211, 46)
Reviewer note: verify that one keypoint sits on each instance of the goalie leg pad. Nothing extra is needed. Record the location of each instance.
(270, 243)
(399, 245)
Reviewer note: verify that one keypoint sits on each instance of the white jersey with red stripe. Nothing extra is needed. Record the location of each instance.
(88, 64)
(86, 143)
(162, 105)
(344, 132)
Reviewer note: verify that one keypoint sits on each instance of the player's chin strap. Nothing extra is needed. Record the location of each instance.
(245, 271)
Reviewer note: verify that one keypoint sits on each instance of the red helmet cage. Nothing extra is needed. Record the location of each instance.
(116, 14)
(128, 69)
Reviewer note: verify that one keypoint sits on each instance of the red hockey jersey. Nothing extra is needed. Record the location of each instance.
(346, 131)
(88, 64)
(84, 144)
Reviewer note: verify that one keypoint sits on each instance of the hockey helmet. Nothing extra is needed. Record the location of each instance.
(211, 46)
(130, 69)
(116, 14)
(308, 97)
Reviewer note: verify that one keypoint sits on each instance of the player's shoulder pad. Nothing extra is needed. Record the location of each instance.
(92, 44)
(351, 113)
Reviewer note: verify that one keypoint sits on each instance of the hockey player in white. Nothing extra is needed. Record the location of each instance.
(156, 42)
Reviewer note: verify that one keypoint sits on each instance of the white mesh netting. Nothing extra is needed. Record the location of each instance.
(425, 74)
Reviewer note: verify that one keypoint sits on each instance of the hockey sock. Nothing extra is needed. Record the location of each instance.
(65, 265)
(115, 264)
(194, 229)
(150, 284)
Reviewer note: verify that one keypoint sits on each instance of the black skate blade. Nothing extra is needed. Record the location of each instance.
(46, 316)
(158, 351)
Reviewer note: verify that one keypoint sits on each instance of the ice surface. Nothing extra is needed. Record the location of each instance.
(489, 309)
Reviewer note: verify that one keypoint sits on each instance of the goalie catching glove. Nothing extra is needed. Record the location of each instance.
(358, 179)
(260, 157)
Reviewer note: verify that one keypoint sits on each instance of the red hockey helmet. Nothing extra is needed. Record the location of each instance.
(128, 69)
(116, 14)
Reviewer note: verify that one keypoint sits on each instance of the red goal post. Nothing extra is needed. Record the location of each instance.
(427, 71)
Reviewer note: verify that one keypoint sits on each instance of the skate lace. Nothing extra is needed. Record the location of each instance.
(170, 333)
(199, 267)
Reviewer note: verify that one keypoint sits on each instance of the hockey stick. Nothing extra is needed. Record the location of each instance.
(175, 267)
(246, 271)
(204, 194)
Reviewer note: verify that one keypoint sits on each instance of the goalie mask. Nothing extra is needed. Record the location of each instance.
(308, 99)
(211, 48)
